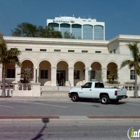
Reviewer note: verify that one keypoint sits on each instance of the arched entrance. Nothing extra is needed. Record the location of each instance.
(10, 73)
(28, 65)
(62, 73)
(96, 71)
(79, 73)
(45, 73)
(112, 71)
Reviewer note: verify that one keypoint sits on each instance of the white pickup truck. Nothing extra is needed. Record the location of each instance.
(96, 90)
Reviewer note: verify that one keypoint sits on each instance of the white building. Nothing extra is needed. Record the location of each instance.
(81, 28)
(69, 61)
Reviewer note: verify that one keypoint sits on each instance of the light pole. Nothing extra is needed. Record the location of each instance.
(36, 74)
(90, 73)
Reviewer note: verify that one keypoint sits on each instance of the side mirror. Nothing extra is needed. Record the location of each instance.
(82, 86)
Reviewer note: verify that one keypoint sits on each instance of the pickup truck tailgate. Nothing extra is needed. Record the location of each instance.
(122, 92)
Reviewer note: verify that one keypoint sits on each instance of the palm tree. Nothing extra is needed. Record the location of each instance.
(26, 74)
(7, 56)
(133, 63)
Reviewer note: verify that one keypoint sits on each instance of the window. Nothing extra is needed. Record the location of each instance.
(56, 50)
(77, 30)
(43, 50)
(70, 50)
(55, 26)
(76, 74)
(98, 32)
(84, 51)
(132, 74)
(28, 49)
(99, 85)
(87, 32)
(64, 28)
(87, 85)
(44, 74)
(97, 51)
(10, 73)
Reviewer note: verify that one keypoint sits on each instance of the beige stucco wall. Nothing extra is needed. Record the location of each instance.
(70, 61)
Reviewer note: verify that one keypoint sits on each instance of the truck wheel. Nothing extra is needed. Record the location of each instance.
(74, 97)
(104, 99)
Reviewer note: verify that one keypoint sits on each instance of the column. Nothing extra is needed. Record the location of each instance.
(71, 76)
(17, 73)
(53, 76)
(104, 74)
(0, 73)
(87, 74)
(121, 74)
(71, 28)
(36, 74)
(82, 32)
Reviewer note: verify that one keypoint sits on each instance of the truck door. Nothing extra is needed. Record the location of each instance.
(86, 90)
(98, 89)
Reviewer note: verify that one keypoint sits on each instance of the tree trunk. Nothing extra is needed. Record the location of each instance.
(136, 88)
(3, 81)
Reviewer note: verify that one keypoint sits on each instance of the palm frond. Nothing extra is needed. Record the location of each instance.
(126, 62)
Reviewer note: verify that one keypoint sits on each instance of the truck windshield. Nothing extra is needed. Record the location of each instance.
(99, 85)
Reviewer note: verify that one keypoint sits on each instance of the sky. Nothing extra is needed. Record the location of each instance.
(120, 16)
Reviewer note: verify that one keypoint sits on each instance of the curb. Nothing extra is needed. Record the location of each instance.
(68, 119)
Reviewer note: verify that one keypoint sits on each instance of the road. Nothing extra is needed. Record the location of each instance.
(72, 120)
(66, 131)
(67, 108)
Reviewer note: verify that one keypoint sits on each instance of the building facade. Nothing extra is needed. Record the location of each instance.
(88, 29)
(70, 62)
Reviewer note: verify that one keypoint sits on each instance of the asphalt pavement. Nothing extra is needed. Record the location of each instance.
(63, 97)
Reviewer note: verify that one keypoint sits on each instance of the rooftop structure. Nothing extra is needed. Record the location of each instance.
(81, 28)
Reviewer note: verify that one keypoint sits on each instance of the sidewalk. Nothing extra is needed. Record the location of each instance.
(53, 96)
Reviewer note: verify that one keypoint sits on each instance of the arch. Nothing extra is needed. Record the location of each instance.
(62, 73)
(29, 59)
(112, 65)
(44, 72)
(43, 60)
(96, 65)
(79, 73)
(54, 25)
(96, 71)
(65, 25)
(112, 69)
(79, 61)
(28, 64)
(62, 60)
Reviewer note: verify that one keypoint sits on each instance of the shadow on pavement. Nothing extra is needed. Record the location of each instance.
(97, 101)
(40, 133)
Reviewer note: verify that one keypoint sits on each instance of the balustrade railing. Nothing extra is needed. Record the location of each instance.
(128, 87)
(24, 86)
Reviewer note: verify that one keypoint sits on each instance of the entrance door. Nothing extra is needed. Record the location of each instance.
(61, 77)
